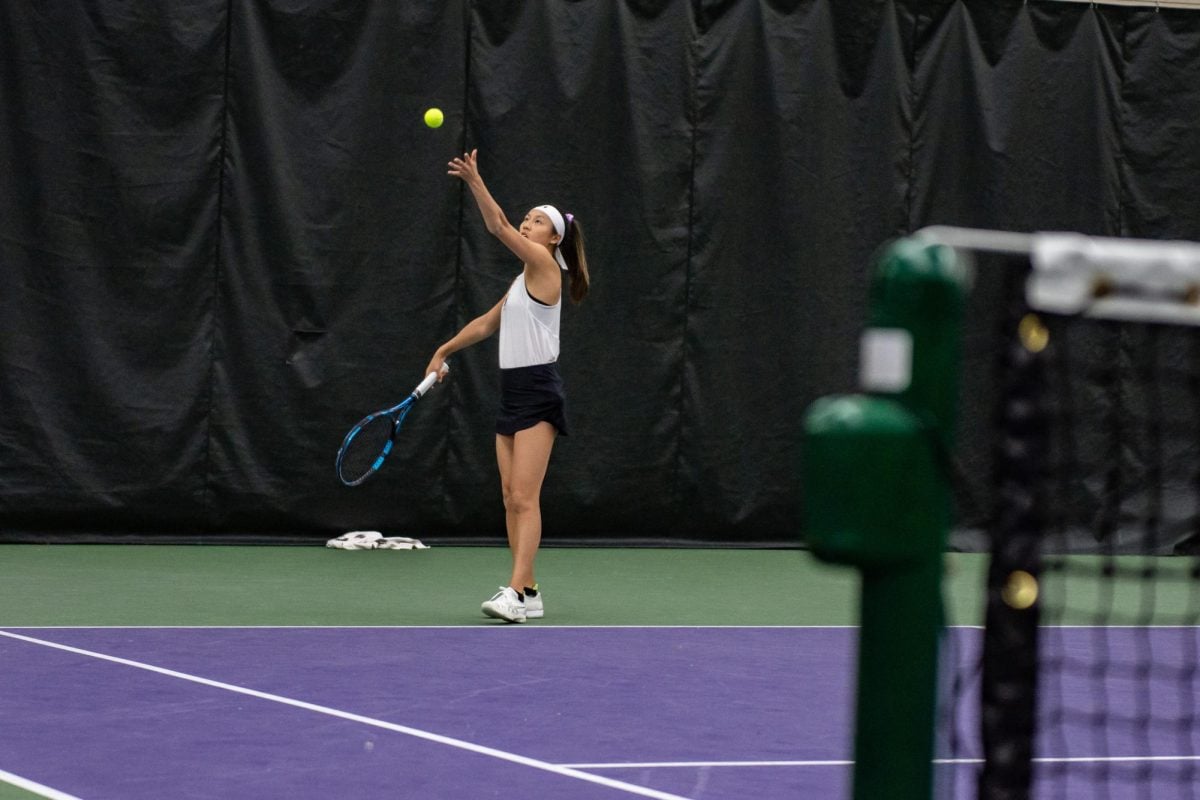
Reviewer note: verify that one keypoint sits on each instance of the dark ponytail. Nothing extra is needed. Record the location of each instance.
(572, 251)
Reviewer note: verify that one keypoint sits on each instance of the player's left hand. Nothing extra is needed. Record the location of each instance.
(466, 167)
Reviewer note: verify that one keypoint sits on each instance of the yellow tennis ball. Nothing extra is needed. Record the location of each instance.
(1020, 590)
(434, 118)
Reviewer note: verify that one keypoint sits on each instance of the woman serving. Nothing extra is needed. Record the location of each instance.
(532, 401)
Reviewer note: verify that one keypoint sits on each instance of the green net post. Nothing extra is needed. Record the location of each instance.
(877, 497)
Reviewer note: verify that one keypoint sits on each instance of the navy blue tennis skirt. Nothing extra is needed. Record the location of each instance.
(529, 395)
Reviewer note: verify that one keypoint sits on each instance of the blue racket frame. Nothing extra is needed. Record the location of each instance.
(397, 412)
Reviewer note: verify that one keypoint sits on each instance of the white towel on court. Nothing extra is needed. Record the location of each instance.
(374, 540)
(400, 543)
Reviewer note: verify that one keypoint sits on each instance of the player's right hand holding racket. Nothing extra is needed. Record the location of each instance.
(368, 443)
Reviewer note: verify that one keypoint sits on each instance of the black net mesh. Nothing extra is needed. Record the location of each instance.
(1087, 673)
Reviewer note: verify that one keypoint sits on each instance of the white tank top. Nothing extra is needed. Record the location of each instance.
(528, 329)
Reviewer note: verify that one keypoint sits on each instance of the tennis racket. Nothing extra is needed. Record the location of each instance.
(368, 443)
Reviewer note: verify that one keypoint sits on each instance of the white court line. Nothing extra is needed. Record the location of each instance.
(523, 628)
(36, 788)
(346, 715)
(1123, 627)
(1111, 759)
(435, 627)
(699, 764)
(1077, 759)
(850, 763)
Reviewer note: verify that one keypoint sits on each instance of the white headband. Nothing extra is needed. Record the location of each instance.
(560, 227)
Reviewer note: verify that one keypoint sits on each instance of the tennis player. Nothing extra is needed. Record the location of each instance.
(532, 415)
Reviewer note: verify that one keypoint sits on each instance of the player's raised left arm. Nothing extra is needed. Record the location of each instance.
(466, 167)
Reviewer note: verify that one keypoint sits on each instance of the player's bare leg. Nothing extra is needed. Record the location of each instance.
(523, 459)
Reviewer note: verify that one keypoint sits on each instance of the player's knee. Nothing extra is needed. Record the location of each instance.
(518, 501)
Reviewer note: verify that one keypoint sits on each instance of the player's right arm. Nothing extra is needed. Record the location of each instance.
(473, 332)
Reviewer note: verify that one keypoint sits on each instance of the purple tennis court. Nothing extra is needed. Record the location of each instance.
(666, 712)
(430, 712)
(1116, 715)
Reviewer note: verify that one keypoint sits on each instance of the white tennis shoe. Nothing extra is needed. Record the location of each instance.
(505, 605)
(534, 608)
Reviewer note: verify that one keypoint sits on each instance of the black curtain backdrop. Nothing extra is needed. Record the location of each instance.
(225, 234)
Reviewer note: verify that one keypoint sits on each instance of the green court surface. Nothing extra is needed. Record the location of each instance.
(200, 585)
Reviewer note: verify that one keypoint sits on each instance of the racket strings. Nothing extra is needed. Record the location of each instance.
(365, 448)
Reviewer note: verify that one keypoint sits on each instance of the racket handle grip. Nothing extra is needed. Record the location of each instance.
(429, 381)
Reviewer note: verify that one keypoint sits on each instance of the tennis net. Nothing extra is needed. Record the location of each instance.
(1089, 672)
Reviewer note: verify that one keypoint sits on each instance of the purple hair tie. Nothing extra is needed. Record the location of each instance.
(570, 217)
